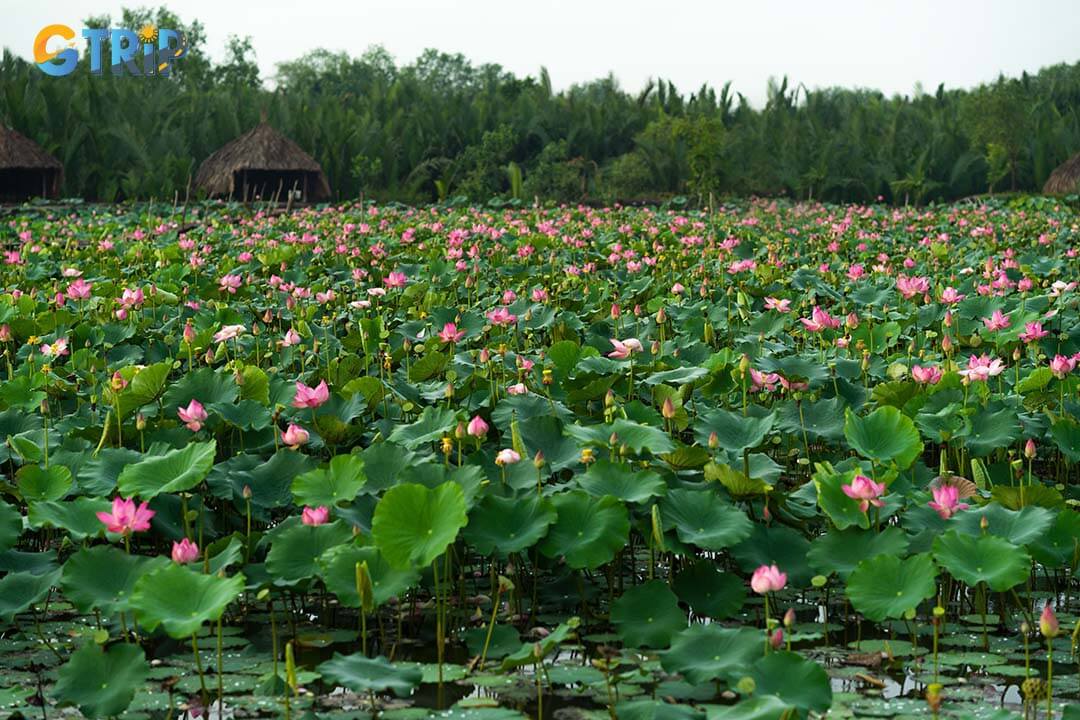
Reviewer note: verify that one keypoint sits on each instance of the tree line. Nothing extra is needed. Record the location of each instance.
(442, 128)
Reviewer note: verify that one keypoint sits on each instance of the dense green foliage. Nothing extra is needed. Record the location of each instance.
(440, 127)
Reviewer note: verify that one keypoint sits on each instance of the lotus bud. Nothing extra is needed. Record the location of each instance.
(744, 364)
(247, 492)
(851, 321)
(947, 322)
(189, 333)
(615, 312)
(449, 392)
(667, 409)
(661, 317)
(609, 399)
(708, 334)
(459, 431)
(789, 618)
(1048, 623)
(1025, 629)
(1016, 353)
(140, 422)
(485, 356)
(714, 440)
(655, 347)
(946, 344)
(1029, 449)
(776, 640)
(538, 459)
(613, 440)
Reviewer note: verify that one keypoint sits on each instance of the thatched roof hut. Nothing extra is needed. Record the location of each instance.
(1065, 179)
(26, 170)
(264, 164)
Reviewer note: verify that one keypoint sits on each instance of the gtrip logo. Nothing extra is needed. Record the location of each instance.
(144, 53)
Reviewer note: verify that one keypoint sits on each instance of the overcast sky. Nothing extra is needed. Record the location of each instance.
(889, 45)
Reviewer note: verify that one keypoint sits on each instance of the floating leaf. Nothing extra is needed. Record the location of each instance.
(363, 675)
(102, 682)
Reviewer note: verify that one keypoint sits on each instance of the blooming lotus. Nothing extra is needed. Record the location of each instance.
(981, 368)
(310, 397)
(315, 515)
(79, 290)
(1062, 365)
(951, 296)
(451, 334)
(395, 280)
(507, 456)
(1033, 331)
(819, 320)
(55, 349)
(291, 338)
(193, 415)
(778, 305)
(126, 518)
(928, 375)
(624, 348)
(866, 491)
(946, 501)
(763, 381)
(229, 332)
(501, 316)
(184, 552)
(910, 287)
(767, 579)
(996, 321)
(294, 436)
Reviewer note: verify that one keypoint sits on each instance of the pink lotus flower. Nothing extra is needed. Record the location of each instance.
(1062, 365)
(929, 375)
(1048, 622)
(132, 298)
(778, 305)
(184, 552)
(517, 389)
(477, 427)
(395, 280)
(79, 290)
(910, 287)
(291, 338)
(126, 518)
(451, 334)
(501, 316)
(763, 381)
(308, 397)
(507, 456)
(1033, 331)
(819, 320)
(951, 296)
(294, 436)
(315, 516)
(624, 348)
(193, 415)
(997, 321)
(946, 501)
(866, 491)
(982, 368)
(767, 579)
(228, 332)
(230, 283)
(58, 348)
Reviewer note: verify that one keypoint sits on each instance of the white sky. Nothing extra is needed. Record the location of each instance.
(889, 45)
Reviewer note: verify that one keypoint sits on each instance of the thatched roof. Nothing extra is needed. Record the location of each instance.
(1065, 179)
(261, 149)
(19, 151)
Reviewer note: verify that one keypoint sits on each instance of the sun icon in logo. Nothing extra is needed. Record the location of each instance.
(148, 33)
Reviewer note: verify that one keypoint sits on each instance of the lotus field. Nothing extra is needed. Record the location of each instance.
(763, 461)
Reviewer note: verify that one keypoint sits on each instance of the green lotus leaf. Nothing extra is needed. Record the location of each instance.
(840, 551)
(1066, 433)
(704, 653)
(338, 570)
(759, 707)
(180, 600)
(841, 509)
(983, 558)
(175, 471)
(621, 480)
(637, 437)
(507, 525)
(704, 519)
(884, 435)
(505, 639)
(20, 590)
(413, 525)
(144, 386)
(433, 423)
(819, 419)
(885, 586)
(11, 526)
(78, 517)
(102, 683)
(341, 481)
(709, 591)
(207, 385)
(1059, 545)
(43, 484)
(647, 615)
(734, 431)
(294, 554)
(798, 682)
(103, 577)
(363, 674)
(992, 427)
(1019, 527)
(588, 530)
